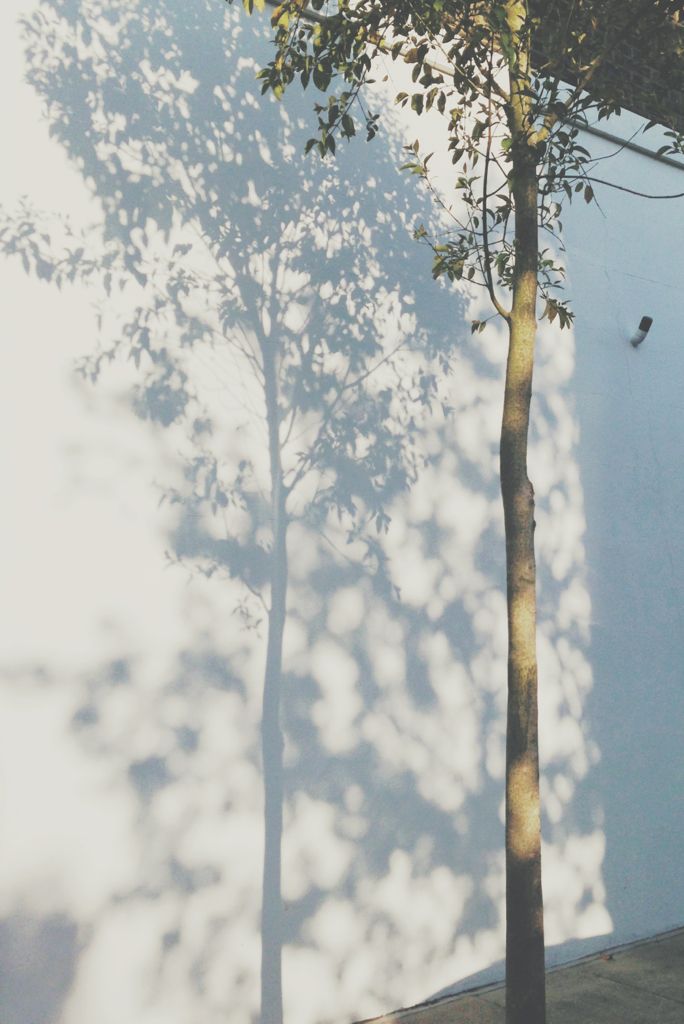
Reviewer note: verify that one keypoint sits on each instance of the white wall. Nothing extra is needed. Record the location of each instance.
(131, 785)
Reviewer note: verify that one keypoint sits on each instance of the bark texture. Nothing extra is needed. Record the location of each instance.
(525, 977)
(525, 982)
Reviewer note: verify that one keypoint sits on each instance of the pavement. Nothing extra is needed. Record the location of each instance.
(642, 983)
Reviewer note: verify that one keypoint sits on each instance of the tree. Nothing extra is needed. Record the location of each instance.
(512, 79)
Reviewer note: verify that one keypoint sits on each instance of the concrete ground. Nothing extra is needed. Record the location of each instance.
(637, 984)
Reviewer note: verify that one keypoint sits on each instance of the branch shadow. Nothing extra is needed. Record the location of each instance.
(215, 243)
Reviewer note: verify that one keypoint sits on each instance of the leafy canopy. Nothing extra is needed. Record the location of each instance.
(513, 82)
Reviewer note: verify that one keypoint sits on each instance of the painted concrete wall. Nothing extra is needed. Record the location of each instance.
(132, 816)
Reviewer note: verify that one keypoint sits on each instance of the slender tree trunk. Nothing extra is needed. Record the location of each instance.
(525, 980)
(525, 977)
(271, 734)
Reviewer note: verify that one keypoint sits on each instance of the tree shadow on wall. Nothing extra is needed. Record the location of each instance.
(279, 334)
(32, 948)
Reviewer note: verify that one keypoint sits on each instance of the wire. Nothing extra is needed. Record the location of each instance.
(632, 191)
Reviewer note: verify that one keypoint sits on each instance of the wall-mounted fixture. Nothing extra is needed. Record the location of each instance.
(642, 330)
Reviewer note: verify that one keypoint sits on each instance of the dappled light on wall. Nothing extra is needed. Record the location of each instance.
(221, 268)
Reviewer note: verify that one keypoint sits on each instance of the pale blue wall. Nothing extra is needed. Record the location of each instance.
(623, 265)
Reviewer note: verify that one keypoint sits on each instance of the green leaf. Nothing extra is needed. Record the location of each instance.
(321, 77)
(348, 127)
